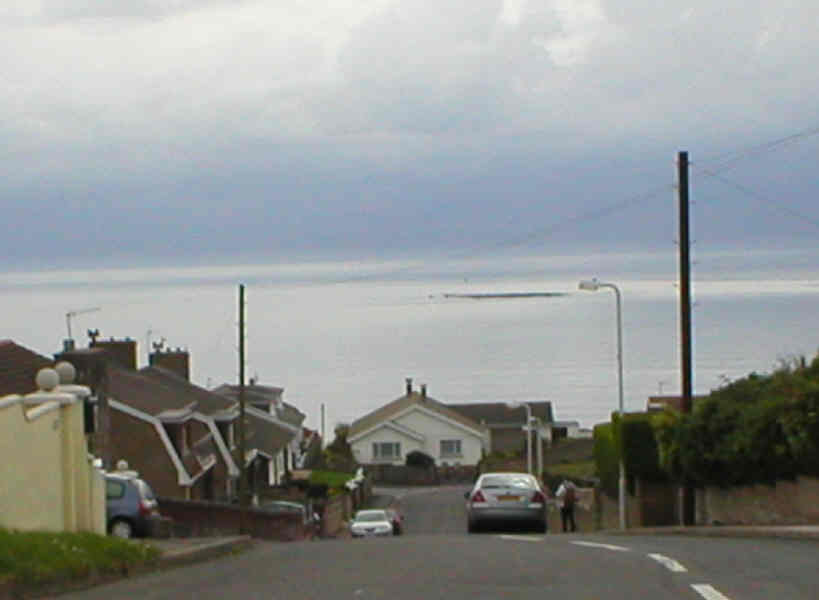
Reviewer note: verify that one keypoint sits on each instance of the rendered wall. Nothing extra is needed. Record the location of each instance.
(47, 481)
(31, 475)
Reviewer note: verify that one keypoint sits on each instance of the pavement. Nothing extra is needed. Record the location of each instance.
(183, 550)
(802, 532)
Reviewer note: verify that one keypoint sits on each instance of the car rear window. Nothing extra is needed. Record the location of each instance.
(370, 517)
(114, 490)
(497, 481)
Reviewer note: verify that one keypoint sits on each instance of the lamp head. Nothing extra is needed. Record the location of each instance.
(589, 285)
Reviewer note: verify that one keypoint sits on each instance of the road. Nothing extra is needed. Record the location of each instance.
(437, 559)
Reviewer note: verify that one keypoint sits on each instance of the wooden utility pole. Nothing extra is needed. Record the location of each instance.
(685, 317)
(242, 470)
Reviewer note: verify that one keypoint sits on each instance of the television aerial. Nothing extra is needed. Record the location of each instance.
(73, 313)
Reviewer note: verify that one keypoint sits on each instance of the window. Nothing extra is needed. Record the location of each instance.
(114, 490)
(450, 448)
(386, 450)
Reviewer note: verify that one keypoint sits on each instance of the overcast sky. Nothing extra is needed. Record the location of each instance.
(181, 129)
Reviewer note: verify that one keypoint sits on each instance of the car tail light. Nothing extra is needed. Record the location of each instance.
(478, 497)
(145, 508)
(538, 498)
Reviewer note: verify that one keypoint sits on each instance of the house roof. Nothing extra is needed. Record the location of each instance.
(207, 403)
(674, 402)
(264, 396)
(18, 368)
(388, 411)
(264, 434)
(498, 413)
(146, 394)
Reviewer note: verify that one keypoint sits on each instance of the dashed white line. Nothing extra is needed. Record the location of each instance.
(604, 546)
(708, 592)
(668, 563)
(521, 538)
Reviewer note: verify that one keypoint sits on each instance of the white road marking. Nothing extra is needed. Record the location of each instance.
(604, 546)
(708, 592)
(522, 538)
(668, 563)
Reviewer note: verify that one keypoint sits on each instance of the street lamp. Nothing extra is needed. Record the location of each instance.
(592, 286)
(528, 408)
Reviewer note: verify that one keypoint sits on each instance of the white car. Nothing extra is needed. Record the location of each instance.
(371, 523)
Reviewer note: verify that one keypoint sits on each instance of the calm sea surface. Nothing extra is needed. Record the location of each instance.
(347, 334)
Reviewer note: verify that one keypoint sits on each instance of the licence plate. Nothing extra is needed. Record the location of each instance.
(507, 498)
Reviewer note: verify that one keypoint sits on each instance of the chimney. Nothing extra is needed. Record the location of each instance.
(409, 385)
(177, 361)
(123, 352)
(424, 391)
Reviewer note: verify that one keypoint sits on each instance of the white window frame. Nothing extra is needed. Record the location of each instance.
(395, 452)
(455, 451)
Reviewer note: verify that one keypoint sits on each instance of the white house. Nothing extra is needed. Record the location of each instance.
(416, 421)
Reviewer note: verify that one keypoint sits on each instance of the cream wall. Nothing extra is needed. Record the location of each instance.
(432, 428)
(31, 475)
(437, 429)
(46, 479)
(363, 447)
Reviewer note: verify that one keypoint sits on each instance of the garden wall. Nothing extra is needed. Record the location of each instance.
(786, 503)
(201, 519)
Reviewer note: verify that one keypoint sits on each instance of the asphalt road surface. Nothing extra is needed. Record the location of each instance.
(438, 559)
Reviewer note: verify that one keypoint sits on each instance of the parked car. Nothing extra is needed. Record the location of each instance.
(130, 505)
(506, 498)
(397, 520)
(371, 523)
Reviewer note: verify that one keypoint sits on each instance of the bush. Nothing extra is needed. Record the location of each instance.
(606, 458)
(416, 458)
(640, 451)
(759, 429)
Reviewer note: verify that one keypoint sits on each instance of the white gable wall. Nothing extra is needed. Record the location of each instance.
(434, 429)
(363, 448)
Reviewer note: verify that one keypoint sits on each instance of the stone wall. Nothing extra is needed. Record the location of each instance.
(403, 475)
(786, 503)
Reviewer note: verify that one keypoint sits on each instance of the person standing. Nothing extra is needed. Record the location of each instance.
(566, 497)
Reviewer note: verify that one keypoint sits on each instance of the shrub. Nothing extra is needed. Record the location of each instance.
(759, 429)
(416, 458)
(606, 458)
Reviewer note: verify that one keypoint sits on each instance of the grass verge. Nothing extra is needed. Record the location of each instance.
(40, 558)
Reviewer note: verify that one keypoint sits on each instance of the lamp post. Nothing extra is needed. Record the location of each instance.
(592, 286)
(528, 432)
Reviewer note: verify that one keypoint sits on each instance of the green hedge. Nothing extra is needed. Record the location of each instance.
(606, 457)
(633, 435)
(759, 429)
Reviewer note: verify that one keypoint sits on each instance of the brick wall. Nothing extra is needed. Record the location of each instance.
(139, 443)
(199, 518)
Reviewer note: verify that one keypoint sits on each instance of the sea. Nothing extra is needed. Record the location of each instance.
(346, 334)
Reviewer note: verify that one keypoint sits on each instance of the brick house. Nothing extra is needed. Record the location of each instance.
(18, 368)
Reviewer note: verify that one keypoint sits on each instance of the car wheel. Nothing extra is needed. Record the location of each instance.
(540, 527)
(122, 529)
(472, 527)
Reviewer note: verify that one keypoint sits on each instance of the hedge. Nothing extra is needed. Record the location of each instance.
(759, 429)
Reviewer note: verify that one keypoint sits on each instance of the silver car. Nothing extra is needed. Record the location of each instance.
(371, 523)
(506, 498)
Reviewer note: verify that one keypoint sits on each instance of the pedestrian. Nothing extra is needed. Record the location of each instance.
(566, 496)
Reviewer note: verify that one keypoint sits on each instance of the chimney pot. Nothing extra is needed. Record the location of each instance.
(409, 385)
(423, 390)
